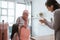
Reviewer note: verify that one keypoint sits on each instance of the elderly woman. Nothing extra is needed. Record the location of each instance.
(23, 22)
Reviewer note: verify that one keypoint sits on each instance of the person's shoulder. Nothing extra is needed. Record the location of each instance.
(57, 10)
(19, 17)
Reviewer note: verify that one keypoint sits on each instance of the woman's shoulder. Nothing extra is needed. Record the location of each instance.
(57, 10)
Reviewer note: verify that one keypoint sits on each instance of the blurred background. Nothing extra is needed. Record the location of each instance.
(10, 10)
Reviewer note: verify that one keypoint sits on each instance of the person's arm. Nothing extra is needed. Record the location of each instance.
(49, 24)
(56, 24)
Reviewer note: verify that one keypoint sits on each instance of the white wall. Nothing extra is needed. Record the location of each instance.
(37, 29)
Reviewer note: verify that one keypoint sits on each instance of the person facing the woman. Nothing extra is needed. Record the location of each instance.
(53, 6)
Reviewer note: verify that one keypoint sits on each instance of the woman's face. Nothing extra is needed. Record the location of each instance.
(50, 8)
(25, 16)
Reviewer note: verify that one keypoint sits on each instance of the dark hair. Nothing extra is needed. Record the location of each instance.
(54, 3)
(14, 30)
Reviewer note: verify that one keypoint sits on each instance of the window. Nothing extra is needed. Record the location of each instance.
(10, 5)
(10, 26)
(10, 12)
(0, 3)
(7, 12)
(19, 10)
(4, 4)
(0, 11)
(10, 20)
(4, 18)
(4, 12)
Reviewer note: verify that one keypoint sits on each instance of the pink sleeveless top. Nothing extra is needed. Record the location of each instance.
(25, 33)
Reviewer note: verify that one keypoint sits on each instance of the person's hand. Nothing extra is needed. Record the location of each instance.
(42, 20)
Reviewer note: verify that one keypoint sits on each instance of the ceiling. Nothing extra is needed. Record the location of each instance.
(19, 1)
